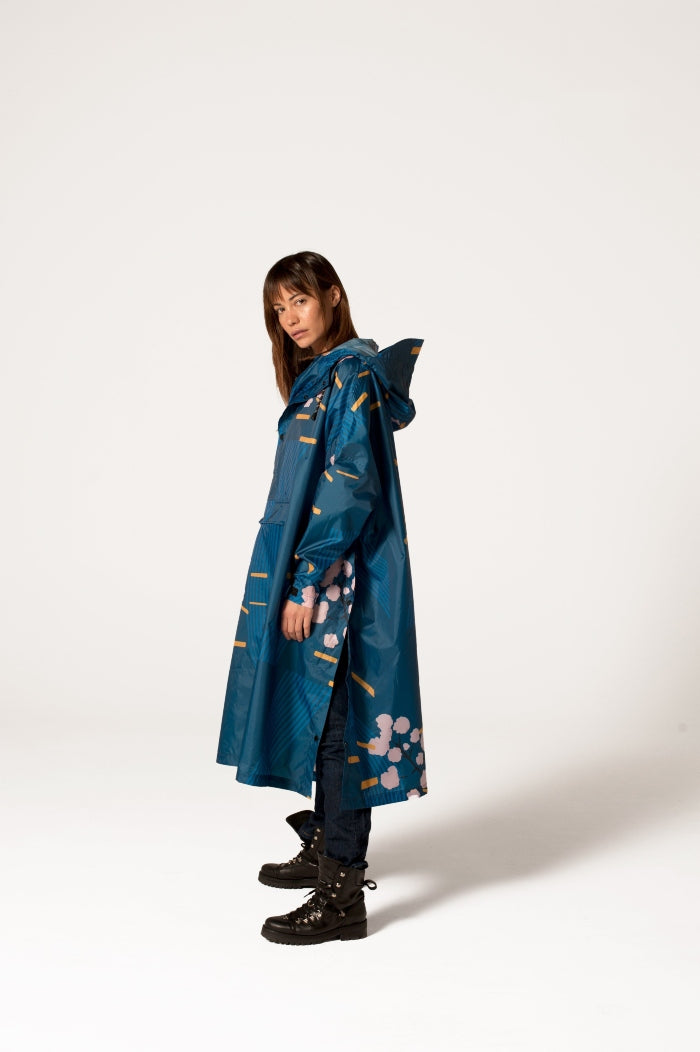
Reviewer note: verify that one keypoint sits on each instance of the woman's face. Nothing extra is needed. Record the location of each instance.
(306, 319)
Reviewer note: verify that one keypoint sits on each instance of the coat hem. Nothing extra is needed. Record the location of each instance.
(377, 797)
(374, 797)
(271, 781)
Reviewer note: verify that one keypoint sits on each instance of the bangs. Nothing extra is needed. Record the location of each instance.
(290, 273)
(280, 293)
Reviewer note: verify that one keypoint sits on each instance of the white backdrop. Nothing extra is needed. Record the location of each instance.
(515, 183)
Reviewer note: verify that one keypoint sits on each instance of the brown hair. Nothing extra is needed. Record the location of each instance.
(310, 273)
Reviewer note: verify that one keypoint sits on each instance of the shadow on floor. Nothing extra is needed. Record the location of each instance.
(535, 827)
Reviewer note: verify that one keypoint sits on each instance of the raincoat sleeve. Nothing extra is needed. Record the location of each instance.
(348, 489)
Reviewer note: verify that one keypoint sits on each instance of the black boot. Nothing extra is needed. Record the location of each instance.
(302, 870)
(336, 910)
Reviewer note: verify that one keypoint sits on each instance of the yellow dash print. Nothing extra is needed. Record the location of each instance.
(311, 568)
(365, 373)
(322, 406)
(370, 690)
(405, 540)
(331, 682)
(306, 438)
(396, 462)
(253, 603)
(326, 657)
(315, 510)
(358, 403)
(243, 609)
(386, 395)
(353, 759)
(368, 783)
(415, 350)
(374, 405)
(303, 416)
(256, 574)
(366, 745)
(347, 474)
(338, 382)
(238, 643)
(329, 477)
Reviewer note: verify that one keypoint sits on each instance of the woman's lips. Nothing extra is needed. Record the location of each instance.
(296, 335)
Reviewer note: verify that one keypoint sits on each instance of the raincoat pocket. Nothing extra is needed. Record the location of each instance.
(276, 513)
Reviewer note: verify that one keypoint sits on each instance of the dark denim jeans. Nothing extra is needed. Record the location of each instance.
(347, 832)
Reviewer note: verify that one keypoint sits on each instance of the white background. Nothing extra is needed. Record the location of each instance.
(518, 185)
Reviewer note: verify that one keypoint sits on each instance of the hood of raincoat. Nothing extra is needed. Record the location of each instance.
(392, 368)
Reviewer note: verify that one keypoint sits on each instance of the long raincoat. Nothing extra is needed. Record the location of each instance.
(333, 535)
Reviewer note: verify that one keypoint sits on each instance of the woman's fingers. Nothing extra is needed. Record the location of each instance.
(296, 621)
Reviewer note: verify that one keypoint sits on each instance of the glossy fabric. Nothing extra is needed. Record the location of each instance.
(333, 535)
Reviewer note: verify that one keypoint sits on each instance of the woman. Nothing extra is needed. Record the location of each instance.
(324, 677)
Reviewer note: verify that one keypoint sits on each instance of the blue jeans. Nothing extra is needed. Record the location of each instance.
(347, 832)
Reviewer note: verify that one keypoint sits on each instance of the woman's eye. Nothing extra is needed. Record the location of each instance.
(300, 301)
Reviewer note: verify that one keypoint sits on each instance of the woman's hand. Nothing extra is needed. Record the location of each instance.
(296, 621)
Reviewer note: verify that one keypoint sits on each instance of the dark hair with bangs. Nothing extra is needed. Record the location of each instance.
(310, 273)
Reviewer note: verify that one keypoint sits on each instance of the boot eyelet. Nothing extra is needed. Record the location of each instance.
(342, 874)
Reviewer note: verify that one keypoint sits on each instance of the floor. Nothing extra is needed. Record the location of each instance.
(541, 897)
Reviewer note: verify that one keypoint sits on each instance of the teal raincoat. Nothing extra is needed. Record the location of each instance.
(333, 536)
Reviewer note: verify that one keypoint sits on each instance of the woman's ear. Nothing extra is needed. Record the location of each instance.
(335, 295)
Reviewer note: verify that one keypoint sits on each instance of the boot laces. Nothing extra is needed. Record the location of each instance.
(297, 858)
(312, 909)
(317, 902)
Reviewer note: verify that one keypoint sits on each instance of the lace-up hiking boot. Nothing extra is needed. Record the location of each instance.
(336, 909)
(302, 870)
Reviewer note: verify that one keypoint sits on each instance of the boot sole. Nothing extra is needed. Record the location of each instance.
(351, 931)
(276, 882)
